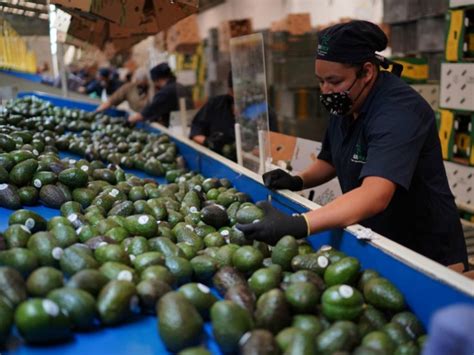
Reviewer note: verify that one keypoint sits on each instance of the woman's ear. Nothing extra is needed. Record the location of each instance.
(369, 71)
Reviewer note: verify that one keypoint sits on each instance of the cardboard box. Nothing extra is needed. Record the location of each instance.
(184, 36)
(90, 31)
(124, 12)
(298, 24)
(168, 13)
(231, 29)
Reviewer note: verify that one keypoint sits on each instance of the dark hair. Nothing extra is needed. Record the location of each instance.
(359, 66)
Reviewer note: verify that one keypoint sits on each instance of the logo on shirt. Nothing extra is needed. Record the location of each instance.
(360, 154)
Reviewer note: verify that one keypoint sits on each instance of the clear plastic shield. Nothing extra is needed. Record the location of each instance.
(250, 97)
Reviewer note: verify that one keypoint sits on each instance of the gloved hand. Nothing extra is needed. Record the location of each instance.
(274, 225)
(215, 141)
(279, 179)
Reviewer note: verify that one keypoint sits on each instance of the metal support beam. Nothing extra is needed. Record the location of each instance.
(6, 4)
(27, 26)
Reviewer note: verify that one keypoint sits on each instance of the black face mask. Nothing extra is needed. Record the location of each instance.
(340, 103)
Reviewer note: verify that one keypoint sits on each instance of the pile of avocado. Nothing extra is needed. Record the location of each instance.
(124, 246)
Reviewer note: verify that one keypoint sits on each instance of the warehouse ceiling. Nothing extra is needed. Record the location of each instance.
(28, 18)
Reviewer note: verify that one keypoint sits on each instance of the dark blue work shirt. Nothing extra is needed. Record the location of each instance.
(165, 101)
(395, 137)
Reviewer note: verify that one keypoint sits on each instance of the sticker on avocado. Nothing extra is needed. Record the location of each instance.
(57, 253)
(143, 219)
(72, 161)
(24, 228)
(244, 338)
(37, 183)
(323, 261)
(203, 288)
(193, 209)
(326, 248)
(225, 233)
(114, 193)
(85, 168)
(132, 257)
(346, 291)
(50, 308)
(125, 275)
(198, 188)
(190, 227)
(35, 152)
(72, 217)
(47, 139)
(101, 244)
(182, 179)
(3, 187)
(30, 223)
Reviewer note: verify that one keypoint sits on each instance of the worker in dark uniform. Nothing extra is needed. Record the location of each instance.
(383, 145)
(166, 98)
(213, 125)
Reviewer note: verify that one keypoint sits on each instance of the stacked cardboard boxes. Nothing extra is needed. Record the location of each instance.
(231, 29)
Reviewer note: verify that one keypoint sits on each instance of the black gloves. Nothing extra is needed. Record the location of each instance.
(215, 141)
(279, 179)
(274, 226)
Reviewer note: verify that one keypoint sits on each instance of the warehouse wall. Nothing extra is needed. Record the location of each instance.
(263, 12)
(40, 45)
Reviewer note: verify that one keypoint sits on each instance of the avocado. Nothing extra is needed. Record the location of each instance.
(410, 348)
(382, 294)
(396, 333)
(77, 257)
(150, 292)
(117, 301)
(111, 252)
(158, 272)
(225, 253)
(179, 323)
(28, 195)
(118, 271)
(308, 323)
(6, 161)
(305, 276)
(196, 350)
(226, 278)
(341, 336)
(366, 275)
(16, 236)
(312, 262)
(22, 173)
(370, 320)
(286, 336)
(73, 177)
(106, 175)
(342, 302)
(122, 208)
(65, 235)
(42, 321)
(345, 271)
(264, 280)
(79, 305)
(43, 280)
(137, 193)
(89, 280)
(181, 269)
(6, 320)
(229, 323)
(41, 178)
(241, 295)
(204, 267)
(21, 259)
(141, 225)
(301, 344)
(247, 259)
(410, 323)
(215, 216)
(165, 246)
(258, 342)
(272, 312)
(52, 196)
(31, 220)
(284, 251)
(214, 240)
(380, 341)
(142, 261)
(10, 197)
(200, 297)
(302, 297)
(84, 196)
(12, 286)
(249, 214)
(46, 248)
